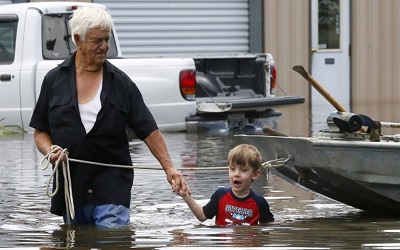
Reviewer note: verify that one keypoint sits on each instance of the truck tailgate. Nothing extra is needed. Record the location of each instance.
(246, 104)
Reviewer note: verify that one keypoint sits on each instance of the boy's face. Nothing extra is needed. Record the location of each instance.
(241, 177)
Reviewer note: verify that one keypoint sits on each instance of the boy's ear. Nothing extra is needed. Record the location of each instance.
(256, 174)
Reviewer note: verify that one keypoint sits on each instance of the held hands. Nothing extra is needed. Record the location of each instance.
(180, 192)
(178, 183)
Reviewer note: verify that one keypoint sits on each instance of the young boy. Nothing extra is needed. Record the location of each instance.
(238, 204)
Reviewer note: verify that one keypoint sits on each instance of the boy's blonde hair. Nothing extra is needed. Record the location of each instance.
(246, 155)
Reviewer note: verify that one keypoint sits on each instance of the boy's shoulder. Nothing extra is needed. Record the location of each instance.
(221, 192)
(257, 197)
(255, 194)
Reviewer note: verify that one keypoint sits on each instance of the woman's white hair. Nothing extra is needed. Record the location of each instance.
(87, 18)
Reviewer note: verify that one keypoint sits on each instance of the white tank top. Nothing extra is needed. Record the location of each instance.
(90, 110)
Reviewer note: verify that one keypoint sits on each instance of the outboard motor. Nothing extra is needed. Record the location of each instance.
(344, 122)
(348, 122)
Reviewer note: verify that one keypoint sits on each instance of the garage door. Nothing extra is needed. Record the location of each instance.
(5, 1)
(181, 27)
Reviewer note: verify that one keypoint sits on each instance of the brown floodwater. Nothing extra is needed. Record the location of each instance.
(161, 220)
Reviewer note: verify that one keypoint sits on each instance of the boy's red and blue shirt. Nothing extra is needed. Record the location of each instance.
(232, 210)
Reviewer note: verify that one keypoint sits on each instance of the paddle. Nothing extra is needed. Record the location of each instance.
(300, 69)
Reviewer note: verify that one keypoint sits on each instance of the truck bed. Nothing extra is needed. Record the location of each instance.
(236, 92)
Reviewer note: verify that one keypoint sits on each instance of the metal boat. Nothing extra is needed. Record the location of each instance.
(360, 169)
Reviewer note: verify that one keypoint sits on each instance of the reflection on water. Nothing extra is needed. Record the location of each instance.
(160, 219)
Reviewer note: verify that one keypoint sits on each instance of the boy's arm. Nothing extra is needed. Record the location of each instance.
(197, 210)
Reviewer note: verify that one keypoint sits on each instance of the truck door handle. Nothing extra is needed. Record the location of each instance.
(5, 77)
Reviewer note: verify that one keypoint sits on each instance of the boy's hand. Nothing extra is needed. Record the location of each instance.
(180, 192)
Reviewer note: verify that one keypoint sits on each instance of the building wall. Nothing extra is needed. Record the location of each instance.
(376, 59)
(181, 28)
(286, 32)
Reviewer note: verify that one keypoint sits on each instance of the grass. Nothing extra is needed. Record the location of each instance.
(5, 131)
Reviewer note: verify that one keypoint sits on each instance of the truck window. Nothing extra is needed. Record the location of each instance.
(56, 41)
(8, 33)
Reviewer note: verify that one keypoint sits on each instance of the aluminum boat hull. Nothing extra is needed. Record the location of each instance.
(360, 173)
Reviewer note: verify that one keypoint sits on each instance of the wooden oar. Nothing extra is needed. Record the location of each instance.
(300, 69)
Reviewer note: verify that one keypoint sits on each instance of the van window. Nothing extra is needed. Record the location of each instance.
(56, 41)
(8, 34)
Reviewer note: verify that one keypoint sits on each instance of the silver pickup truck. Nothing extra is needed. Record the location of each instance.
(184, 94)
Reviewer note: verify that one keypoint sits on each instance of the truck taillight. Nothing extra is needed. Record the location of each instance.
(273, 80)
(72, 7)
(187, 83)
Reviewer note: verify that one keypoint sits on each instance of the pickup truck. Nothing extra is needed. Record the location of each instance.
(184, 94)
(237, 92)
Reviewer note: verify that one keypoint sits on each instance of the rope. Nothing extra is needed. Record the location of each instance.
(140, 167)
(69, 200)
(278, 162)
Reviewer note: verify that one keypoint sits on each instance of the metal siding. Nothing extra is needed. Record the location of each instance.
(256, 26)
(287, 39)
(376, 59)
(186, 28)
(5, 1)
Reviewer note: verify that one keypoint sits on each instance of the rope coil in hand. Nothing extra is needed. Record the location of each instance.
(69, 199)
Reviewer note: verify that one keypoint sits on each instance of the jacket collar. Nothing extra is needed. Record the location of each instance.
(71, 61)
(108, 72)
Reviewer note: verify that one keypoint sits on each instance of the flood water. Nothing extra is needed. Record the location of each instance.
(161, 220)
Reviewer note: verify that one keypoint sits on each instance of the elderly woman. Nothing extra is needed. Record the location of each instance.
(85, 106)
